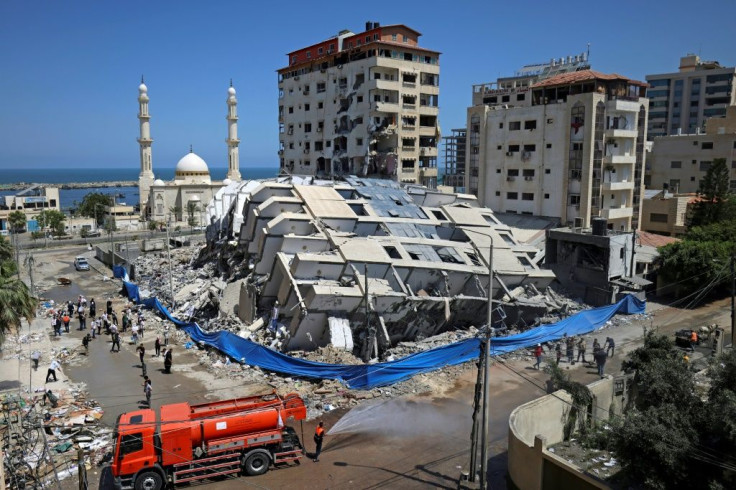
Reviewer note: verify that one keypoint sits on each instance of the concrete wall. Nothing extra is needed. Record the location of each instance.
(539, 424)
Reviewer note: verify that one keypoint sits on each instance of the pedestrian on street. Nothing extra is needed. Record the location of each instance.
(166, 335)
(610, 346)
(569, 349)
(66, 321)
(93, 325)
(538, 354)
(141, 325)
(85, 343)
(35, 356)
(274, 316)
(134, 331)
(126, 320)
(167, 361)
(319, 435)
(600, 357)
(52, 369)
(157, 346)
(581, 349)
(693, 340)
(92, 308)
(55, 326)
(109, 307)
(82, 320)
(596, 345)
(147, 389)
(115, 342)
(70, 308)
(141, 350)
(558, 352)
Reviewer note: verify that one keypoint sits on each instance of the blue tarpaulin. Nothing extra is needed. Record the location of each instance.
(367, 376)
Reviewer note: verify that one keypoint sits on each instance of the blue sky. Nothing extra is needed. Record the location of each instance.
(70, 69)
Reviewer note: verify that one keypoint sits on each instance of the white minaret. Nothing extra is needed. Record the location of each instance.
(145, 179)
(233, 157)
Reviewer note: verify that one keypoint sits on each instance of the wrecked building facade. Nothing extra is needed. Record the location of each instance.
(362, 104)
(364, 264)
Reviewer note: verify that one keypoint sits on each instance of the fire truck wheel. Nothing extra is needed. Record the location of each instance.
(149, 480)
(257, 463)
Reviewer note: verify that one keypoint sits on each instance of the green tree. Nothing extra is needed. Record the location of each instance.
(93, 204)
(16, 301)
(176, 212)
(17, 221)
(714, 194)
(54, 220)
(192, 209)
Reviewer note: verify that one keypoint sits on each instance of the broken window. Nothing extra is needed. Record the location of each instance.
(360, 98)
(359, 141)
(473, 259)
(530, 124)
(320, 87)
(318, 146)
(439, 214)
(449, 255)
(512, 172)
(392, 252)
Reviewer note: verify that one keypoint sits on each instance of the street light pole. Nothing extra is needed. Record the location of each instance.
(486, 375)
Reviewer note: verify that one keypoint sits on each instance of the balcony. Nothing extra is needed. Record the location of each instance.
(622, 105)
(617, 213)
(621, 133)
(386, 106)
(428, 172)
(619, 159)
(409, 149)
(382, 84)
(621, 185)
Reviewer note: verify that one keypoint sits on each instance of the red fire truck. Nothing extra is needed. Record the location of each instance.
(197, 442)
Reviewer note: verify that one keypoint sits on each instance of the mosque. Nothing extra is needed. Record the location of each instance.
(192, 188)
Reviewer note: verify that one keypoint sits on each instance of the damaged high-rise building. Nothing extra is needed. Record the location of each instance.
(363, 104)
(365, 263)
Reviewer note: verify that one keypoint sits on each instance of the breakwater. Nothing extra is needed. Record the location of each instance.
(18, 186)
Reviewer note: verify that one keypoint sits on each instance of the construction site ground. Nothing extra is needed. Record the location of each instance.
(416, 440)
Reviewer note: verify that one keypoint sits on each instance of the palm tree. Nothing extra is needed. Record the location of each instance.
(16, 304)
(16, 301)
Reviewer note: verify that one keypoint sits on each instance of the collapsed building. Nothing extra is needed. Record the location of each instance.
(365, 263)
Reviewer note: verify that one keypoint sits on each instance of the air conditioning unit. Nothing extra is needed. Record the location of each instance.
(528, 178)
(319, 129)
(526, 155)
(509, 153)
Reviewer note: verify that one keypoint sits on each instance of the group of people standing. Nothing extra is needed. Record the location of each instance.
(600, 353)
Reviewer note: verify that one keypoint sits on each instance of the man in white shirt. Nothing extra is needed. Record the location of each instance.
(52, 370)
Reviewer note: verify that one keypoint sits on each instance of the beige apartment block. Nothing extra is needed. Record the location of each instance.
(678, 163)
(680, 102)
(664, 213)
(362, 104)
(570, 146)
(32, 201)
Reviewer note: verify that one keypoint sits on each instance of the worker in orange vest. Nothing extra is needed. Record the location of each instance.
(319, 434)
(693, 340)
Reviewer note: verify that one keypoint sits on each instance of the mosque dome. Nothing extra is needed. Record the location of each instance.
(192, 163)
(142, 88)
(227, 182)
(231, 91)
(158, 182)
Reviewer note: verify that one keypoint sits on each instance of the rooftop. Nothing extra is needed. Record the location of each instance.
(585, 76)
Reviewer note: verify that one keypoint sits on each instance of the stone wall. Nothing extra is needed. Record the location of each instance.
(538, 424)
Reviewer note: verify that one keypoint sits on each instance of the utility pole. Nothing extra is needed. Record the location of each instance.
(111, 225)
(733, 299)
(171, 279)
(476, 415)
(486, 375)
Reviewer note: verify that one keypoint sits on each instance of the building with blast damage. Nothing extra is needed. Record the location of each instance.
(368, 263)
(361, 104)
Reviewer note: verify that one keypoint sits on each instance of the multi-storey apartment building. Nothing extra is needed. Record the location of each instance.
(455, 145)
(678, 163)
(570, 146)
(680, 102)
(365, 104)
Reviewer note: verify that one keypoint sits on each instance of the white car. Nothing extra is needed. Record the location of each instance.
(81, 264)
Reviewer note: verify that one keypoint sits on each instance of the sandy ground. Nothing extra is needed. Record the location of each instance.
(411, 442)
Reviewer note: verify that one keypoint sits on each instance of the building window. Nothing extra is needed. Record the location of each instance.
(706, 145)
(530, 147)
(320, 51)
(530, 125)
(320, 105)
(309, 55)
(394, 37)
(293, 59)
(547, 171)
(513, 148)
(512, 195)
(306, 107)
(512, 172)
(360, 99)
(658, 218)
(500, 125)
(546, 196)
(498, 170)
(527, 196)
(675, 164)
(306, 163)
(320, 87)
(549, 145)
(498, 193)
(674, 185)
(406, 39)
(359, 141)
(704, 165)
(520, 97)
(528, 172)
(505, 98)
(307, 127)
(514, 125)
(574, 200)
